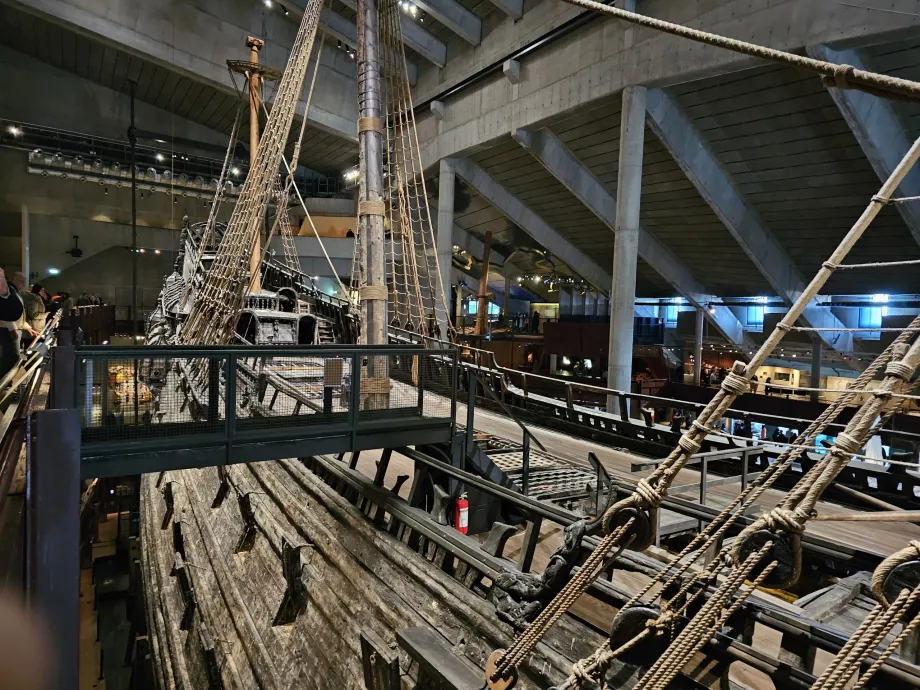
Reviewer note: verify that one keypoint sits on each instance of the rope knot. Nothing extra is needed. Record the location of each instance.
(580, 672)
(665, 621)
(736, 384)
(846, 443)
(830, 265)
(785, 327)
(687, 444)
(842, 75)
(900, 370)
(650, 496)
(880, 199)
(787, 520)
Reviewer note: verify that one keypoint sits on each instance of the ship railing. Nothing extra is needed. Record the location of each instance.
(525, 385)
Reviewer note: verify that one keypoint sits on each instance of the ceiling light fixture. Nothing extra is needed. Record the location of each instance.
(53, 271)
(14, 130)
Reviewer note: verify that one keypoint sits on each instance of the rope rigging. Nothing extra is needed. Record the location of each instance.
(419, 302)
(212, 316)
(767, 551)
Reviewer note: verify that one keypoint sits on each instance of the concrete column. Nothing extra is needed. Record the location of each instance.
(565, 302)
(446, 181)
(698, 345)
(590, 303)
(26, 267)
(506, 271)
(626, 240)
(458, 307)
(816, 348)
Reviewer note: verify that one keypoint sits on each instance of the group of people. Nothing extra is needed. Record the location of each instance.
(24, 310)
(717, 374)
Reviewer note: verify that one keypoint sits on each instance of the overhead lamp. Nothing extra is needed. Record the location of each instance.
(156, 251)
(161, 157)
(235, 171)
(14, 130)
(53, 271)
(268, 3)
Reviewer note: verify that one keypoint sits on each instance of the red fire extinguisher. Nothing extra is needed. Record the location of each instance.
(462, 514)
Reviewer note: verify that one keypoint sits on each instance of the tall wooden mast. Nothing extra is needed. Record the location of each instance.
(255, 255)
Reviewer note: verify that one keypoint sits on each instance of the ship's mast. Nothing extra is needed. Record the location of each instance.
(255, 255)
(371, 206)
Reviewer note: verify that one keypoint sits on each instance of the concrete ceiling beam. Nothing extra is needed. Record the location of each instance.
(522, 216)
(415, 37)
(581, 182)
(339, 28)
(877, 128)
(513, 8)
(455, 17)
(474, 247)
(680, 137)
(198, 46)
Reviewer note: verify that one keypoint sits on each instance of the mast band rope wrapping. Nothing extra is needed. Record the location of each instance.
(373, 292)
(376, 385)
(372, 208)
(370, 124)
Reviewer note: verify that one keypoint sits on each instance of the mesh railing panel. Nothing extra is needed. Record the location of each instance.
(122, 399)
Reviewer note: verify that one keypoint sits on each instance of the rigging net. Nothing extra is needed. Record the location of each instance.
(213, 313)
(419, 303)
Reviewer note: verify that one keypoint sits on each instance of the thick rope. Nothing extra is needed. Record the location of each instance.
(841, 76)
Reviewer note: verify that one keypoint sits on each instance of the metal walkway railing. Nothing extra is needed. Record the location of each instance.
(141, 410)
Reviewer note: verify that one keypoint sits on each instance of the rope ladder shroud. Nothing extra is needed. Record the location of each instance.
(212, 316)
(651, 490)
(419, 303)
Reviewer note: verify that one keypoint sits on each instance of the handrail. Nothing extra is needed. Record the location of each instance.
(494, 366)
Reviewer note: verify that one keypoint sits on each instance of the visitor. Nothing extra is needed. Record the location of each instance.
(793, 436)
(27, 333)
(778, 436)
(767, 388)
(677, 420)
(535, 322)
(11, 310)
(754, 383)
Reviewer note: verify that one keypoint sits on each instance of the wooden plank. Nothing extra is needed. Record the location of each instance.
(381, 664)
(436, 661)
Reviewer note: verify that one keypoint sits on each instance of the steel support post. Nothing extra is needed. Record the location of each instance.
(53, 535)
(626, 241)
(370, 196)
(63, 377)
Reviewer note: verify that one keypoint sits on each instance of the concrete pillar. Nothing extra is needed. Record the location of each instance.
(590, 303)
(626, 241)
(565, 302)
(507, 271)
(816, 348)
(444, 242)
(698, 346)
(458, 307)
(26, 266)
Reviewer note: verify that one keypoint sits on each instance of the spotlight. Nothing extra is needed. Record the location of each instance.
(268, 3)
(156, 251)
(106, 191)
(14, 130)
(141, 251)
(235, 171)
(53, 271)
(161, 157)
(285, 10)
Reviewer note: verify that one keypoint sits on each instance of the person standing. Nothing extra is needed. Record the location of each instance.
(535, 322)
(11, 311)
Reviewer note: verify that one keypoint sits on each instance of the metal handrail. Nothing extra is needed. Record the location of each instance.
(572, 386)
